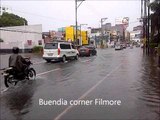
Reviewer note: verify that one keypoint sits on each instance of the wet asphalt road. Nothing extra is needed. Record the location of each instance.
(127, 75)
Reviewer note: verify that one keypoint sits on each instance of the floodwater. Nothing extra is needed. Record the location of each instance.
(127, 75)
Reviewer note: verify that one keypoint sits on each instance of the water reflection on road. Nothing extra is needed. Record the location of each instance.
(136, 82)
(149, 84)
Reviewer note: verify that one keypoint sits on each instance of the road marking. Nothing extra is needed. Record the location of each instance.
(85, 94)
(39, 62)
(36, 75)
(66, 61)
(48, 71)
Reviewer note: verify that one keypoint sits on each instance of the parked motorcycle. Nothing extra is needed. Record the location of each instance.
(11, 77)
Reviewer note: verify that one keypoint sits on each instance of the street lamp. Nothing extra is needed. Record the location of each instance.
(76, 7)
(102, 20)
(80, 31)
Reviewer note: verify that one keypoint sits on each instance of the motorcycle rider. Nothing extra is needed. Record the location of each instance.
(17, 61)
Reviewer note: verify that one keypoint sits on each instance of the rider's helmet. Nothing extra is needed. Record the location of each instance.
(15, 50)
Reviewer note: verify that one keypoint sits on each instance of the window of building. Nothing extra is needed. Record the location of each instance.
(39, 42)
(29, 42)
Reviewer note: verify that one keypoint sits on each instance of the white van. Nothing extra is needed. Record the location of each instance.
(59, 51)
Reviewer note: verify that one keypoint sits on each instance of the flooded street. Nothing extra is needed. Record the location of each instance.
(126, 75)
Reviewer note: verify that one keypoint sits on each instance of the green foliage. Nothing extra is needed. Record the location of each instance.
(37, 49)
(155, 6)
(9, 19)
(153, 45)
(155, 18)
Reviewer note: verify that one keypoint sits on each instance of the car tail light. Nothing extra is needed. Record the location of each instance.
(59, 51)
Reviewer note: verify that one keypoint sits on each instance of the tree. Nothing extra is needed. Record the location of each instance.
(155, 24)
(155, 20)
(155, 6)
(9, 19)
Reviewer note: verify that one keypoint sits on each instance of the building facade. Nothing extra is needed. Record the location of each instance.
(24, 37)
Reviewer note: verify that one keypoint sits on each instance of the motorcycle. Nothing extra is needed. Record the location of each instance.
(11, 77)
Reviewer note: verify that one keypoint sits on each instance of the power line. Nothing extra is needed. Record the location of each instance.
(35, 14)
(42, 16)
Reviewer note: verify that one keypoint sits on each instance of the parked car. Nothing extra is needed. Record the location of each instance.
(118, 47)
(59, 51)
(87, 51)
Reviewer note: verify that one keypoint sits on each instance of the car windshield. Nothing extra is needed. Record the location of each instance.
(51, 46)
(89, 47)
(82, 47)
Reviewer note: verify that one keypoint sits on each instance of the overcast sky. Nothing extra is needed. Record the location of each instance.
(53, 14)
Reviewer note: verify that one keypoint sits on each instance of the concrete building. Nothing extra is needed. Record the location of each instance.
(95, 36)
(24, 37)
(139, 27)
(137, 34)
(106, 27)
(95, 32)
(52, 35)
(117, 31)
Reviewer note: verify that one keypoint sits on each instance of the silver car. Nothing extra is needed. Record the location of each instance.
(118, 47)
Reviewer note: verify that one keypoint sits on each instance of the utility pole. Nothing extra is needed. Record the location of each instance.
(145, 24)
(142, 8)
(76, 7)
(0, 8)
(159, 39)
(102, 20)
(148, 30)
(76, 20)
(123, 34)
(144, 18)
